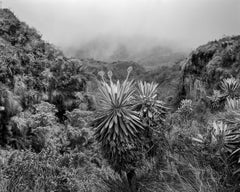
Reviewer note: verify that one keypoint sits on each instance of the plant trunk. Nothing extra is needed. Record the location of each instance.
(132, 181)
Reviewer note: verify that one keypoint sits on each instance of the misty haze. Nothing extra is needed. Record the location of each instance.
(119, 95)
(99, 29)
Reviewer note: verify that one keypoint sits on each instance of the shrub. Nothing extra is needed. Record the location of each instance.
(49, 171)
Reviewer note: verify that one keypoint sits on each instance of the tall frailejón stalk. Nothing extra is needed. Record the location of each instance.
(118, 126)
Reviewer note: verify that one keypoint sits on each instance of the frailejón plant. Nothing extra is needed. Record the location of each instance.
(118, 126)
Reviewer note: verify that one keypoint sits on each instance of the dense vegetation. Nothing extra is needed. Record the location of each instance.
(65, 129)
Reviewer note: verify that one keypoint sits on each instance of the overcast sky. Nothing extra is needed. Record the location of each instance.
(188, 22)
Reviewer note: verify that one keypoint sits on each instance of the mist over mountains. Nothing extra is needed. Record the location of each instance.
(79, 24)
(148, 52)
(150, 32)
(119, 112)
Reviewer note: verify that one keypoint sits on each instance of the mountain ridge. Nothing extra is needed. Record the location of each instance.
(209, 64)
(148, 52)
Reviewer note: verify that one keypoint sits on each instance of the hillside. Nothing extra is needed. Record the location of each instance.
(33, 72)
(38, 65)
(69, 125)
(158, 56)
(23, 52)
(209, 64)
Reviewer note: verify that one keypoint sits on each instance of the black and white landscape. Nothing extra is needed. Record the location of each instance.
(119, 95)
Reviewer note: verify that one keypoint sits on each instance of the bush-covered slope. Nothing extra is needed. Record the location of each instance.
(48, 135)
(29, 63)
(22, 51)
(34, 72)
(211, 63)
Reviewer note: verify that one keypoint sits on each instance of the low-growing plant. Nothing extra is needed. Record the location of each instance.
(152, 111)
(49, 171)
(230, 87)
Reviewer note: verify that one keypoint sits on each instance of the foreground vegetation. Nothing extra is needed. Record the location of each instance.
(63, 129)
(143, 145)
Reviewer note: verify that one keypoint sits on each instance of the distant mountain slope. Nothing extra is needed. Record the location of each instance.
(209, 64)
(159, 56)
(147, 52)
(203, 69)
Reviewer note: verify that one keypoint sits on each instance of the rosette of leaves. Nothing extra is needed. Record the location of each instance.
(118, 126)
(232, 104)
(231, 114)
(216, 136)
(231, 117)
(151, 110)
(152, 113)
(230, 87)
(223, 140)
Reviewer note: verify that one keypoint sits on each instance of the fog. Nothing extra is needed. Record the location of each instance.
(186, 23)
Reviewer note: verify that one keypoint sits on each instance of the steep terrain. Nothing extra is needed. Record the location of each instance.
(29, 63)
(32, 73)
(209, 64)
(49, 140)
(23, 52)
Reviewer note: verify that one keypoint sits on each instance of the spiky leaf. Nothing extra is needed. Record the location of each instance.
(117, 127)
(147, 103)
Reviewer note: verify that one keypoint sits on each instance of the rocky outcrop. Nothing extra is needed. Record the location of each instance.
(204, 69)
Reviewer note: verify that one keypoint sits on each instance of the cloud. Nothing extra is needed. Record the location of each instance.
(187, 22)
